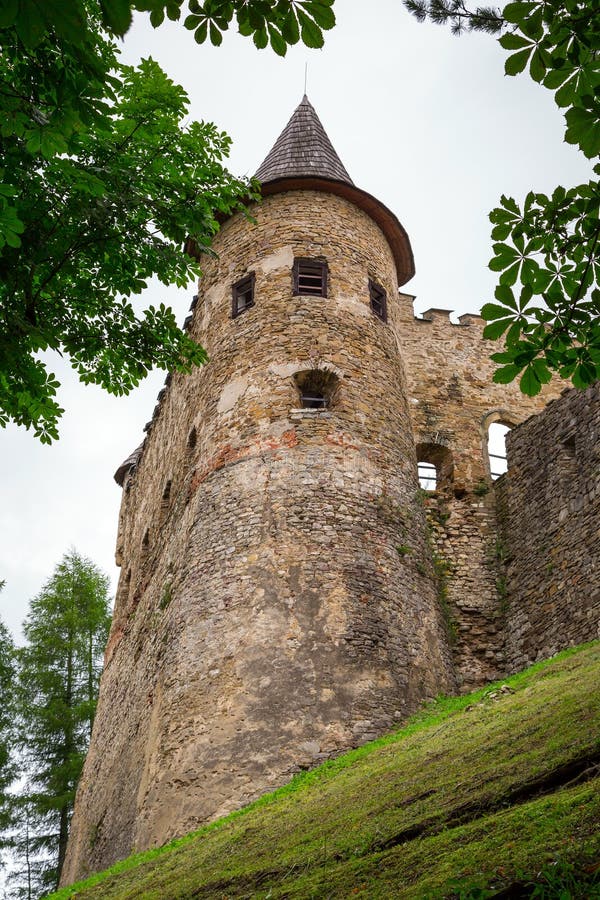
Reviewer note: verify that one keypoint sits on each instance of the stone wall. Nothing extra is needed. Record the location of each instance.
(551, 516)
(453, 401)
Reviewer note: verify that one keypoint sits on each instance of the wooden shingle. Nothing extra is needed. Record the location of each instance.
(303, 149)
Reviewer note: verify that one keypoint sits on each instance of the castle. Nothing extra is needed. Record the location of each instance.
(288, 588)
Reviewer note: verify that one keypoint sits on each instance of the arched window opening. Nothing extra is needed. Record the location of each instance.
(167, 491)
(435, 467)
(192, 438)
(146, 540)
(317, 388)
(497, 449)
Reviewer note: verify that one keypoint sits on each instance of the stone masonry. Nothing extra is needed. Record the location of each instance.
(287, 590)
(551, 506)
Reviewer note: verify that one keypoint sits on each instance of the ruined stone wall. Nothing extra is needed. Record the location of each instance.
(552, 529)
(453, 401)
(267, 615)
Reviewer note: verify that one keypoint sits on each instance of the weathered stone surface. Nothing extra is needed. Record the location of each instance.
(551, 517)
(453, 401)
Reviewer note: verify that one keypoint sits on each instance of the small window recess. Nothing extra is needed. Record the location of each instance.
(317, 388)
(435, 468)
(309, 277)
(192, 438)
(427, 476)
(497, 449)
(242, 295)
(378, 300)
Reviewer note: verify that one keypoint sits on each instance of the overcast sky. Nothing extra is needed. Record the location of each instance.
(424, 121)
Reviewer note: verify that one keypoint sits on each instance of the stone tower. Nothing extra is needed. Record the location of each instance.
(287, 589)
(268, 614)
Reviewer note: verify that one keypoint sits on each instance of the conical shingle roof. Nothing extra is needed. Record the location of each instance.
(303, 150)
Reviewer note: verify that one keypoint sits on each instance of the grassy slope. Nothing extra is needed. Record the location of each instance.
(484, 789)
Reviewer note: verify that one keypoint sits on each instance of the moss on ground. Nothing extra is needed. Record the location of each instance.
(478, 796)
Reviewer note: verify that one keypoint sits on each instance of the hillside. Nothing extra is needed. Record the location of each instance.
(477, 796)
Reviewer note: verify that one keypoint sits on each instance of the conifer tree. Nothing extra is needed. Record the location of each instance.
(66, 631)
(8, 766)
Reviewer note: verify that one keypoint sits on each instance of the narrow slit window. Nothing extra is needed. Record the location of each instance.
(242, 295)
(378, 300)
(310, 277)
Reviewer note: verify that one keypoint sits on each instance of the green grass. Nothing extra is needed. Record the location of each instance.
(474, 795)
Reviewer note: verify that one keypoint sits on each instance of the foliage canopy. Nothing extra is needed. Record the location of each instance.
(101, 183)
(546, 249)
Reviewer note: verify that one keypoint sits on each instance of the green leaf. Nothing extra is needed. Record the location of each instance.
(157, 17)
(504, 294)
(517, 12)
(537, 69)
(491, 311)
(512, 41)
(117, 15)
(506, 374)
(529, 383)
(8, 12)
(501, 232)
(30, 25)
(321, 13)
(567, 93)
(494, 330)
(584, 375)
(311, 34)
(201, 32)
(290, 28)
(583, 129)
(542, 372)
(517, 62)
(511, 274)
(277, 42)
(261, 38)
(216, 38)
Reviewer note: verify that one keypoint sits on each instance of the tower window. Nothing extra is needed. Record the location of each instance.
(317, 388)
(242, 295)
(378, 300)
(310, 277)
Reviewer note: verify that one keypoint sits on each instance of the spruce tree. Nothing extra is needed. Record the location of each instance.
(66, 631)
(8, 765)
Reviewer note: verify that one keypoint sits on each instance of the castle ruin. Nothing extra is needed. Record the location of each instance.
(288, 590)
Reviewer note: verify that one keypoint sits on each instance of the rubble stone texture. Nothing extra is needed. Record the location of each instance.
(287, 590)
(551, 518)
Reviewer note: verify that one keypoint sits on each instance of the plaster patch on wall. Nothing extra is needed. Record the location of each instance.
(352, 304)
(282, 259)
(231, 393)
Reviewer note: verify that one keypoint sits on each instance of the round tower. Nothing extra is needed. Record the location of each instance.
(277, 603)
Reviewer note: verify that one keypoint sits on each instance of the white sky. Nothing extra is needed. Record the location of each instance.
(424, 121)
